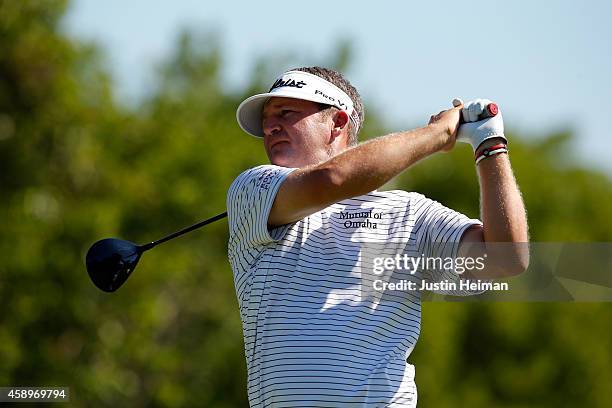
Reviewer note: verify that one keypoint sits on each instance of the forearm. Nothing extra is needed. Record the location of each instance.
(504, 235)
(368, 166)
(502, 209)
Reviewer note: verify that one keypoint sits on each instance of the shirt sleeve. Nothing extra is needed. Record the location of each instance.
(249, 201)
(439, 232)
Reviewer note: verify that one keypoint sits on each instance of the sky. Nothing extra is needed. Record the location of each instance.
(548, 64)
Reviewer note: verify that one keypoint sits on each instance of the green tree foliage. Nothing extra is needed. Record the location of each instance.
(76, 166)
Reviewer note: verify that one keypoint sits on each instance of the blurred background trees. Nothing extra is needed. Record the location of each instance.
(77, 165)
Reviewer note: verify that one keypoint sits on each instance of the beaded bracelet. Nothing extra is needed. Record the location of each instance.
(491, 151)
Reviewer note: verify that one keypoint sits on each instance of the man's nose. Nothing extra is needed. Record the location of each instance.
(270, 126)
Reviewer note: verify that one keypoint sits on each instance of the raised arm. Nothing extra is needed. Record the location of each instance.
(503, 237)
(360, 169)
(504, 234)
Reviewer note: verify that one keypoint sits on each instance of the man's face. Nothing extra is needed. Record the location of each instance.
(297, 133)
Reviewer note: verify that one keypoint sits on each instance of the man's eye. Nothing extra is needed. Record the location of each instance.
(286, 112)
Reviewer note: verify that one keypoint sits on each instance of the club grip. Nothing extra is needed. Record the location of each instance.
(489, 111)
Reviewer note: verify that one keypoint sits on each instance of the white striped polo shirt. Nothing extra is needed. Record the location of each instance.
(311, 339)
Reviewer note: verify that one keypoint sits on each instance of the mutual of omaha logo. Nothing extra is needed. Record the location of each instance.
(361, 219)
(292, 83)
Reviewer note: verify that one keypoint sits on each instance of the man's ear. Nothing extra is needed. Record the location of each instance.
(340, 122)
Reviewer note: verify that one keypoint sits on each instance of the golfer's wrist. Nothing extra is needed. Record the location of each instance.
(489, 143)
(440, 135)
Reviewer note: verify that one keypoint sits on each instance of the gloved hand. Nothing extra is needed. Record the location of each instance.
(474, 131)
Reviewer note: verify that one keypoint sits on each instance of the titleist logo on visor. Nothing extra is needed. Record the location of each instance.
(310, 87)
(290, 83)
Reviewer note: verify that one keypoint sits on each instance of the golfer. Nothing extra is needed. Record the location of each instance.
(300, 225)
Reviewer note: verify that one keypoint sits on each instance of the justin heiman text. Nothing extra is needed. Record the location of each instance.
(445, 285)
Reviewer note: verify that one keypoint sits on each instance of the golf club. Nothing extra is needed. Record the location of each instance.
(110, 261)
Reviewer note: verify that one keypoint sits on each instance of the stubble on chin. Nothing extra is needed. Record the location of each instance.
(279, 160)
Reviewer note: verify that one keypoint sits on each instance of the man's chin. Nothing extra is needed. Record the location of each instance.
(283, 160)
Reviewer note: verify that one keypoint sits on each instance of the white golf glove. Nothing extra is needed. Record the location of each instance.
(474, 131)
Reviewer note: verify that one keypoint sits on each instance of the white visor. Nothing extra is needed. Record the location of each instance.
(298, 85)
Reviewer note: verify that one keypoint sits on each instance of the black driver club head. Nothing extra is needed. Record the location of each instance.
(110, 262)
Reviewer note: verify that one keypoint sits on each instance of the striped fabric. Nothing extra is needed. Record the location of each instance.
(311, 338)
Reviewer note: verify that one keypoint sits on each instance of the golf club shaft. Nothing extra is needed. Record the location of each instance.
(150, 245)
